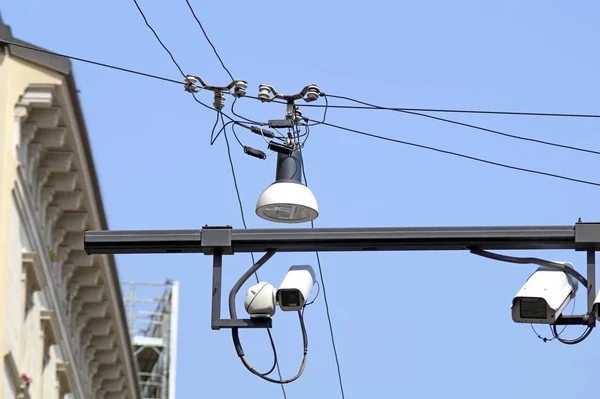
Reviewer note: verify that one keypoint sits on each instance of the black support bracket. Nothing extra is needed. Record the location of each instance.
(587, 236)
(216, 241)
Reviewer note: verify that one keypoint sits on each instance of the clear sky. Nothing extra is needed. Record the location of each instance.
(415, 325)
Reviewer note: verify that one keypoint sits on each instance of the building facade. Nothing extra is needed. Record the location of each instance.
(63, 329)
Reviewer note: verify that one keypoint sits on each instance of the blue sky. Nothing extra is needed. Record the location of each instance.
(419, 325)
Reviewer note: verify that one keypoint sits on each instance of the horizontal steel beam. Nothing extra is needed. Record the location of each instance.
(343, 239)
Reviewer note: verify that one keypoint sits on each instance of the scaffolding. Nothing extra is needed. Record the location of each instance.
(152, 312)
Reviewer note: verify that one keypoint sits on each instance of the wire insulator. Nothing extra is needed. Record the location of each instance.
(313, 93)
(219, 102)
(264, 93)
(240, 88)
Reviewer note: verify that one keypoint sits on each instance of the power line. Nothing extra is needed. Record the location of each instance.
(158, 38)
(208, 40)
(118, 68)
(513, 136)
(366, 107)
(239, 198)
(463, 111)
(502, 165)
(337, 361)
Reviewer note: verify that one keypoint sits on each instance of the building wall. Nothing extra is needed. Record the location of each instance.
(62, 329)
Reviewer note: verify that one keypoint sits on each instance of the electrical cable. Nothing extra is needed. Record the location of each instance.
(513, 136)
(236, 340)
(242, 117)
(369, 106)
(212, 133)
(234, 331)
(324, 111)
(235, 134)
(471, 126)
(316, 295)
(577, 340)
(456, 154)
(158, 38)
(569, 271)
(92, 62)
(561, 331)
(207, 39)
(337, 361)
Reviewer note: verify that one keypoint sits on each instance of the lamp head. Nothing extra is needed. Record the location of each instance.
(288, 200)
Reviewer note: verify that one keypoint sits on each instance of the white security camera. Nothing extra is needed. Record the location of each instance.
(295, 288)
(260, 300)
(544, 296)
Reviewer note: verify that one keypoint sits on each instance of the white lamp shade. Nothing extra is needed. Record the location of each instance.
(287, 202)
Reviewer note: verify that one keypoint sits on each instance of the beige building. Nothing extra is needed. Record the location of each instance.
(63, 330)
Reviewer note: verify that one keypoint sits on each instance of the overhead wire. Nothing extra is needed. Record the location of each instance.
(97, 63)
(369, 106)
(471, 126)
(323, 288)
(241, 207)
(208, 40)
(158, 38)
(460, 155)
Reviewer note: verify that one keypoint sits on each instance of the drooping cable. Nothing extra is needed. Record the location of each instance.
(544, 339)
(239, 198)
(324, 111)
(242, 356)
(158, 38)
(102, 64)
(208, 40)
(577, 340)
(322, 286)
(569, 271)
(240, 116)
(456, 154)
(235, 333)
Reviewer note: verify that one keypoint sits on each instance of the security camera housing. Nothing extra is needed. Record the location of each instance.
(544, 296)
(260, 300)
(295, 288)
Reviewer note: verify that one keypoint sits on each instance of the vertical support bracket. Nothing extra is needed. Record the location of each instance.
(216, 241)
(591, 287)
(215, 315)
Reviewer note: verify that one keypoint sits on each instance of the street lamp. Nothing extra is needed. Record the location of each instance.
(288, 200)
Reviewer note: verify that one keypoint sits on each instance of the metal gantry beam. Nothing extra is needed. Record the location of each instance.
(219, 241)
(581, 236)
